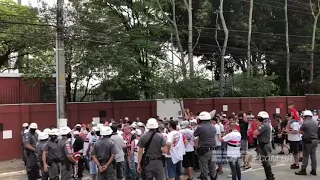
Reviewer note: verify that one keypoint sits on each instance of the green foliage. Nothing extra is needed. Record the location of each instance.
(241, 85)
(22, 32)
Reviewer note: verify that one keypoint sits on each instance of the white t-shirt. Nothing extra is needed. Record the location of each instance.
(221, 127)
(218, 132)
(177, 149)
(234, 138)
(135, 150)
(188, 134)
(165, 138)
(295, 126)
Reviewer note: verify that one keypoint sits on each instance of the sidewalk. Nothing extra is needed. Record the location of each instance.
(15, 165)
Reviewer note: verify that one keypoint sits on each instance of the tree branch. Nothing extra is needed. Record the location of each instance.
(216, 31)
(312, 11)
(199, 34)
(163, 13)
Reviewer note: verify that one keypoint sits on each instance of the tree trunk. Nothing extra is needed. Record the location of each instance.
(190, 48)
(249, 40)
(312, 47)
(315, 22)
(224, 48)
(287, 48)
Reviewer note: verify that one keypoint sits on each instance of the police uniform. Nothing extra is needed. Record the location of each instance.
(31, 158)
(103, 149)
(65, 149)
(23, 132)
(207, 146)
(153, 162)
(264, 141)
(53, 159)
(39, 151)
(309, 144)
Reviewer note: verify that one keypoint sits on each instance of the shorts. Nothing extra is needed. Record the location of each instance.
(119, 170)
(93, 167)
(174, 170)
(244, 146)
(188, 159)
(294, 147)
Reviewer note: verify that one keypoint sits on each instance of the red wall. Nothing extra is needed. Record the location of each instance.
(15, 90)
(13, 116)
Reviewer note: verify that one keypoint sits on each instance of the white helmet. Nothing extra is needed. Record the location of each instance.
(38, 131)
(25, 125)
(76, 132)
(54, 132)
(140, 124)
(46, 130)
(307, 113)
(33, 126)
(43, 136)
(152, 123)
(134, 125)
(184, 124)
(263, 115)
(105, 131)
(138, 132)
(65, 130)
(78, 125)
(205, 116)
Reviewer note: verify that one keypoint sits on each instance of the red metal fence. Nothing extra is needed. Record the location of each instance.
(13, 116)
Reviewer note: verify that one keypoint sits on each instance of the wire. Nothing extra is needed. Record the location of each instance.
(25, 23)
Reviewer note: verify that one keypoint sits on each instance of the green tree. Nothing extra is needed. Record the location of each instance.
(22, 34)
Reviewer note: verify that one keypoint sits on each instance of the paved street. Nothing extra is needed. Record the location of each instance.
(281, 169)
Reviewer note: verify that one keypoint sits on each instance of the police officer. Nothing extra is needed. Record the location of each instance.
(207, 146)
(50, 156)
(309, 143)
(103, 154)
(24, 130)
(43, 138)
(30, 142)
(65, 153)
(151, 146)
(263, 134)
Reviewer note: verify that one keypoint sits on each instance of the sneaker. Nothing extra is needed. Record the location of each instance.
(229, 175)
(281, 152)
(294, 166)
(300, 159)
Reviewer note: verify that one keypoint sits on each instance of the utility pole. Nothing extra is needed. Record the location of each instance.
(60, 68)
(172, 57)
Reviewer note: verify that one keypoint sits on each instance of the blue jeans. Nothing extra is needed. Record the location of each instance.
(235, 167)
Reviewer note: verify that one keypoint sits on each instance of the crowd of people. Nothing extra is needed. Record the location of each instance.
(164, 149)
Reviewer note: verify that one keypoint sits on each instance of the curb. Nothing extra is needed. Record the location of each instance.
(13, 173)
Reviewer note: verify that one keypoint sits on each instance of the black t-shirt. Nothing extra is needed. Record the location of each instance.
(78, 144)
(284, 123)
(243, 129)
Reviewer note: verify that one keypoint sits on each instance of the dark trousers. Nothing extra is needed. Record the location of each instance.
(235, 168)
(80, 168)
(265, 152)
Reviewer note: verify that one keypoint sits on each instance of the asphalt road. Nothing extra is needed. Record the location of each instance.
(280, 167)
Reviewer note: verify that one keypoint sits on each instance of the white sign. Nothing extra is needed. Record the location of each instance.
(7, 134)
(62, 123)
(277, 110)
(96, 120)
(225, 108)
